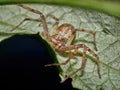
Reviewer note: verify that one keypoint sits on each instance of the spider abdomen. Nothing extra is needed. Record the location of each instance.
(66, 30)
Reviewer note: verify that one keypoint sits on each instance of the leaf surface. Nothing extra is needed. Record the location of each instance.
(107, 30)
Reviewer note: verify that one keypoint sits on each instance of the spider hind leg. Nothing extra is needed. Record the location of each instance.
(76, 47)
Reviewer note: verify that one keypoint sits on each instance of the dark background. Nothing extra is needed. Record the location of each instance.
(22, 61)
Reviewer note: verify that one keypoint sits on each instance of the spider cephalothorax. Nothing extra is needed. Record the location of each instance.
(64, 35)
(61, 39)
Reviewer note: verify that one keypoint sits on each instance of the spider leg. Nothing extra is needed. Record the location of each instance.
(55, 26)
(55, 18)
(26, 19)
(65, 48)
(43, 20)
(90, 32)
(64, 63)
(81, 68)
(76, 47)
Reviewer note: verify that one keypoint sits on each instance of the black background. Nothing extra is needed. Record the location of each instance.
(22, 61)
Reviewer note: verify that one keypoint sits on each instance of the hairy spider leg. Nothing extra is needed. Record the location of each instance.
(65, 48)
(82, 65)
(26, 19)
(90, 32)
(76, 47)
(41, 19)
(64, 63)
(55, 26)
(55, 18)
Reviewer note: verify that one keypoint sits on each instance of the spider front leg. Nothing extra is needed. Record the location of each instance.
(42, 18)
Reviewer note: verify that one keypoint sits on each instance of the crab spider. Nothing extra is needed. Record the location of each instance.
(61, 39)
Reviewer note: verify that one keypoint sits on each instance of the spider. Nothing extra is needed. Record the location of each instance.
(61, 39)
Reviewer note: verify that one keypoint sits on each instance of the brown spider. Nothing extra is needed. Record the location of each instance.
(62, 37)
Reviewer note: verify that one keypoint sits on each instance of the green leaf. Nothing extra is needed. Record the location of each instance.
(108, 6)
(107, 30)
